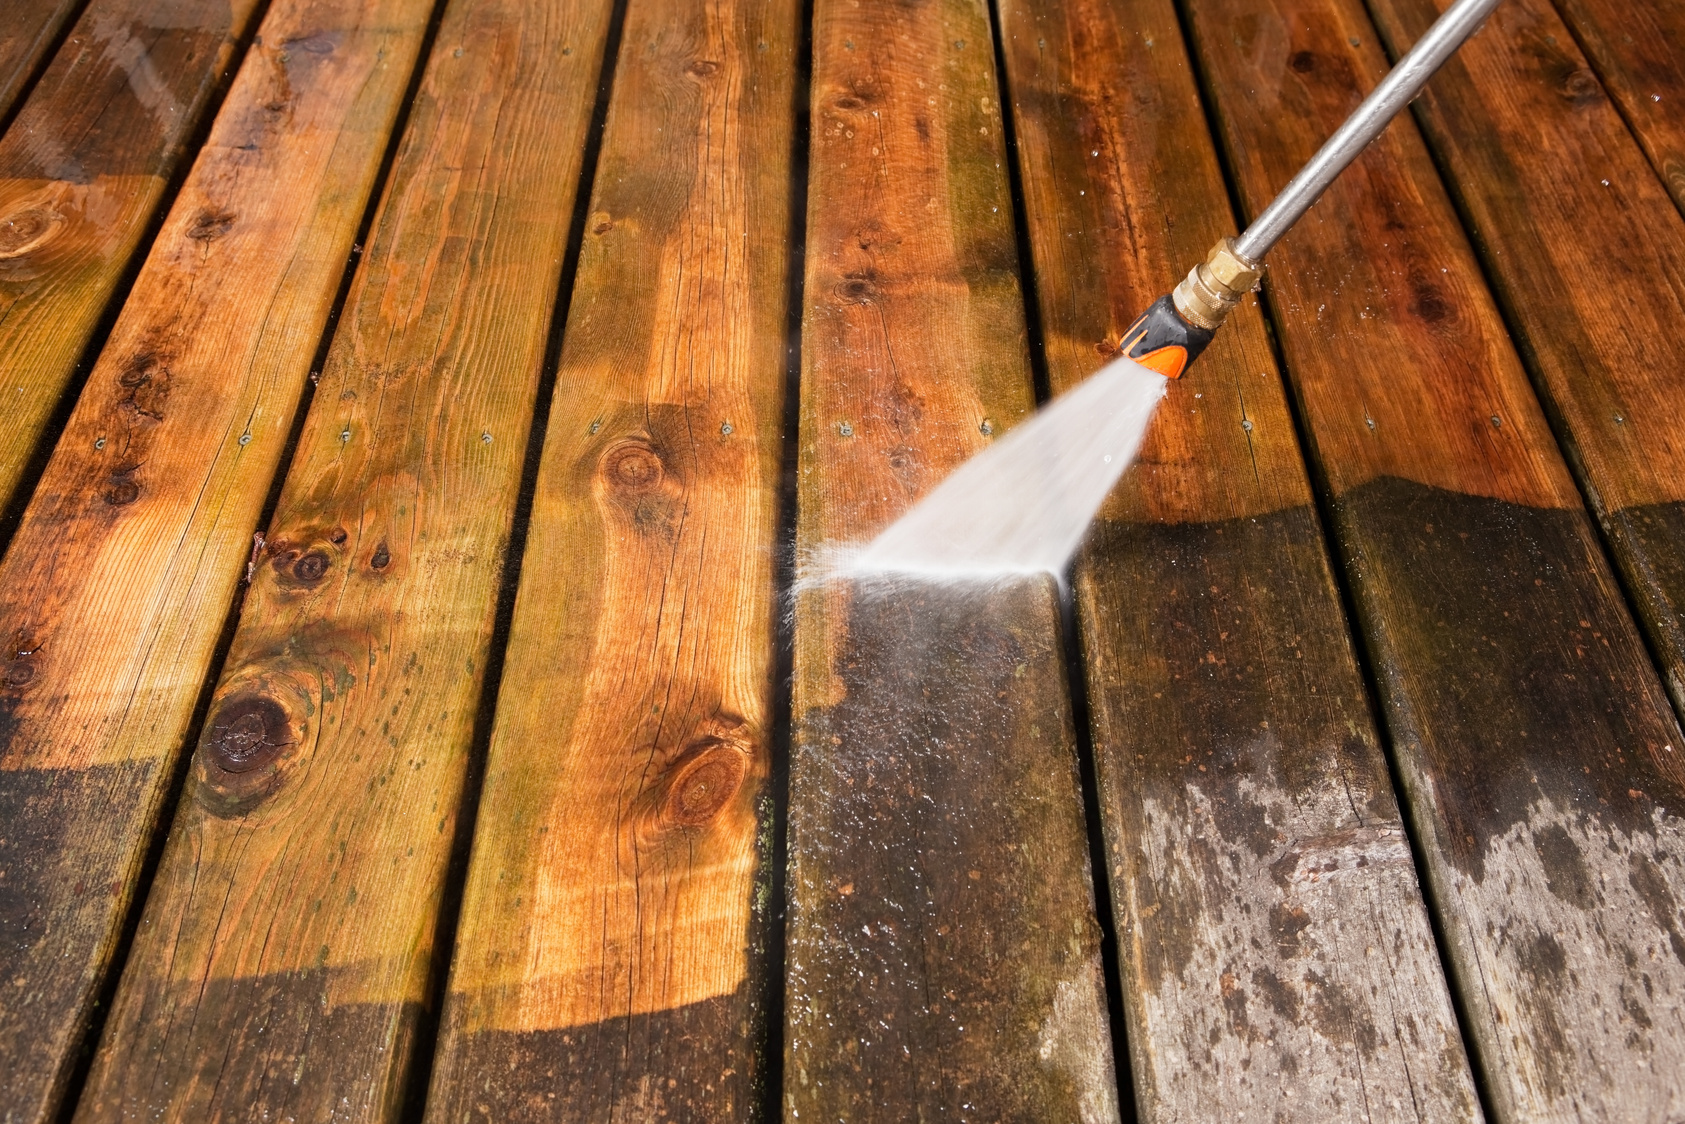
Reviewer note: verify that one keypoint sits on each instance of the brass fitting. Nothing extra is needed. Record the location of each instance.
(1215, 286)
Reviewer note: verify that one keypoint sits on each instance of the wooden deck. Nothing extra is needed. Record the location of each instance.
(415, 414)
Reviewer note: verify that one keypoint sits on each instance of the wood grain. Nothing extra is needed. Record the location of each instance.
(1277, 956)
(1587, 253)
(1542, 766)
(120, 576)
(29, 30)
(83, 169)
(943, 953)
(1638, 50)
(286, 947)
(611, 956)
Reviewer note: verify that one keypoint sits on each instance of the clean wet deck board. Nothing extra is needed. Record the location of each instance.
(423, 415)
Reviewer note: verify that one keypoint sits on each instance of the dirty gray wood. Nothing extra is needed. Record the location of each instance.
(613, 955)
(1276, 953)
(943, 956)
(287, 947)
(1542, 765)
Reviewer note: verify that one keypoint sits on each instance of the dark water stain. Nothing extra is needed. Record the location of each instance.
(1508, 666)
(940, 895)
(700, 1062)
(1566, 873)
(270, 1047)
(66, 837)
(1652, 887)
(1649, 543)
(1339, 1016)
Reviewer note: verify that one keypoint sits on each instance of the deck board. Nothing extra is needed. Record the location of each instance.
(943, 954)
(83, 170)
(1638, 50)
(613, 951)
(1277, 956)
(122, 571)
(287, 946)
(1539, 755)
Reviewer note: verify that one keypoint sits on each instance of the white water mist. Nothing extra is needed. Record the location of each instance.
(1024, 504)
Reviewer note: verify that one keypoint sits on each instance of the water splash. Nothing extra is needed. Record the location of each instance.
(1023, 505)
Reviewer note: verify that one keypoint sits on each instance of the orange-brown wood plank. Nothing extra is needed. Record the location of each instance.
(83, 169)
(1277, 958)
(1587, 253)
(286, 947)
(28, 31)
(943, 953)
(119, 580)
(1638, 49)
(1543, 767)
(611, 962)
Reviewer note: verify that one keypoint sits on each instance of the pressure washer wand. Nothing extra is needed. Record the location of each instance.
(1023, 504)
(1172, 333)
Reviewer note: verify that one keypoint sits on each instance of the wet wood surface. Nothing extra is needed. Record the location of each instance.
(1638, 51)
(1541, 762)
(30, 30)
(612, 961)
(121, 574)
(1583, 249)
(490, 815)
(83, 169)
(943, 953)
(1277, 958)
(286, 950)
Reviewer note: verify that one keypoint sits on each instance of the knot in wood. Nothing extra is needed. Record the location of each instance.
(704, 781)
(24, 231)
(702, 68)
(1427, 302)
(210, 224)
(633, 466)
(857, 289)
(382, 557)
(248, 731)
(1580, 87)
(311, 566)
(19, 671)
(121, 490)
